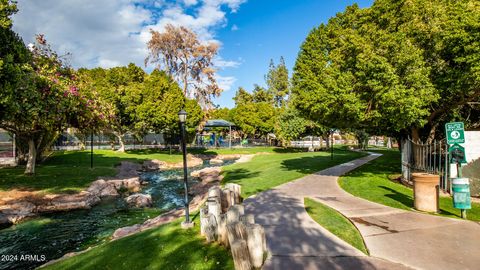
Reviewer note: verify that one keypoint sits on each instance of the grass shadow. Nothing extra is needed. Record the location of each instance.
(319, 161)
(236, 175)
(399, 197)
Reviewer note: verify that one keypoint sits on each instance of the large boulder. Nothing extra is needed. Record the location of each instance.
(193, 161)
(139, 200)
(128, 169)
(102, 188)
(216, 161)
(245, 158)
(130, 184)
(208, 175)
(154, 165)
(17, 211)
(83, 200)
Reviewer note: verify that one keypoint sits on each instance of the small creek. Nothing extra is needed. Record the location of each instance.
(50, 236)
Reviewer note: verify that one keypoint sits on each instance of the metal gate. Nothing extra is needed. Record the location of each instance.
(429, 158)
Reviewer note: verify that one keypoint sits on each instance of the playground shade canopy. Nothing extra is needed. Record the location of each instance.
(219, 123)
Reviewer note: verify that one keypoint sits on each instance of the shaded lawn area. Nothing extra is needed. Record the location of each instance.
(69, 171)
(165, 247)
(267, 171)
(371, 182)
(336, 223)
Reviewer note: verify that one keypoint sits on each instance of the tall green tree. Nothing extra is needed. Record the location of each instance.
(140, 102)
(157, 103)
(278, 82)
(261, 94)
(242, 96)
(220, 113)
(398, 68)
(290, 125)
(114, 87)
(254, 113)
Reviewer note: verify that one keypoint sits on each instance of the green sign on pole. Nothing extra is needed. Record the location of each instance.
(455, 132)
(457, 154)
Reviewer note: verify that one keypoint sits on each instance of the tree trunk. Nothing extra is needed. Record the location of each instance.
(121, 142)
(32, 157)
(415, 135)
(431, 135)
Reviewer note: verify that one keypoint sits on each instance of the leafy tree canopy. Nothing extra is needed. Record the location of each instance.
(278, 82)
(397, 68)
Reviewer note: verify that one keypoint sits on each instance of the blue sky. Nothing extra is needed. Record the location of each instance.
(110, 33)
(269, 29)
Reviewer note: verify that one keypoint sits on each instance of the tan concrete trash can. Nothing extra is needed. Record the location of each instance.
(425, 191)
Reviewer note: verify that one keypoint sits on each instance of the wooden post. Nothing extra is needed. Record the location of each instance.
(233, 215)
(211, 228)
(241, 257)
(240, 209)
(237, 189)
(264, 239)
(215, 193)
(203, 220)
(247, 219)
(225, 200)
(222, 230)
(214, 208)
(236, 231)
(255, 244)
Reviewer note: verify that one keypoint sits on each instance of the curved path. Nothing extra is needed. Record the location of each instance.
(396, 239)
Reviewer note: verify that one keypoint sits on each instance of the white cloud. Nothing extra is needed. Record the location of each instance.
(114, 32)
(221, 63)
(190, 2)
(234, 27)
(225, 83)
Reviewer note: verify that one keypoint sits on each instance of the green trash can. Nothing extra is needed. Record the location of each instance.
(461, 193)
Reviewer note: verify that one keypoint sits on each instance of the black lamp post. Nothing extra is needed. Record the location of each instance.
(182, 116)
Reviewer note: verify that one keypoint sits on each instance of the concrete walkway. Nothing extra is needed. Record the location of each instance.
(396, 239)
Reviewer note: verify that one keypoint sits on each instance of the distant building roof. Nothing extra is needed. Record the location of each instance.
(219, 123)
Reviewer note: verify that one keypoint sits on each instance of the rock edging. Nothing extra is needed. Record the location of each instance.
(209, 177)
(18, 210)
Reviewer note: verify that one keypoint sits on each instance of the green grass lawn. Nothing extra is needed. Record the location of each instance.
(165, 247)
(372, 182)
(69, 171)
(267, 171)
(336, 223)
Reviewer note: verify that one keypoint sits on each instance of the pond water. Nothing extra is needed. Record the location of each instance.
(50, 236)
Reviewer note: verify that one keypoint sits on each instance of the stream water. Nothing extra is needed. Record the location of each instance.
(50, 236)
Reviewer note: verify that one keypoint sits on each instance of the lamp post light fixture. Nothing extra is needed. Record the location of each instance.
(182, 117)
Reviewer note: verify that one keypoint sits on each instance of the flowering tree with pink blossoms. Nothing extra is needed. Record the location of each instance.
(44, 101)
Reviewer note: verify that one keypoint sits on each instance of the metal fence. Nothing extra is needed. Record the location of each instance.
(70, 141)
(428, 158)
(7, 148)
